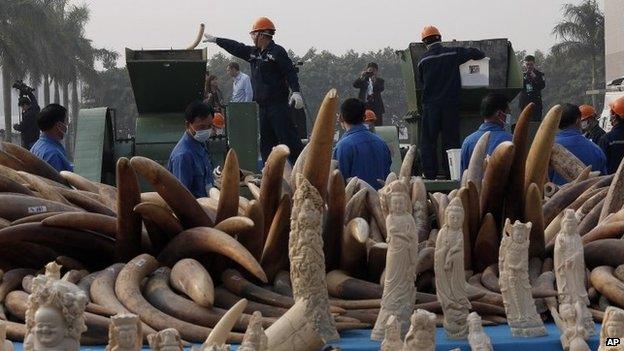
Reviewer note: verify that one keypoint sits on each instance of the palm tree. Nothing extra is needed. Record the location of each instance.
(18, 46)
(582, 31)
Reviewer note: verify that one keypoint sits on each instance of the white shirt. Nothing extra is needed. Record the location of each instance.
(369, 89)
(241, 88)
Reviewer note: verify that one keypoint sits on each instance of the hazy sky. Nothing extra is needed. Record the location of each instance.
(336, 25)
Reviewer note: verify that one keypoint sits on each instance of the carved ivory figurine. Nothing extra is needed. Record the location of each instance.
(421, 336)
(392, 340)
(449, 272)
(307, 260)
(399, 294)
(612, 328)
(573, 333)
(55, 313)
(125, 333)
(477, 338)
(7, 345)
(570, 269)
(255, 339)
(513, 262)
(165, 340)
(308, 325)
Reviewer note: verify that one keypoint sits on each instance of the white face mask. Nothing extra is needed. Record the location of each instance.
(202, 135)
(584, 124)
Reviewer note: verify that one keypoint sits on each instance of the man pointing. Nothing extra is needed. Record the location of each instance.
(272, 73)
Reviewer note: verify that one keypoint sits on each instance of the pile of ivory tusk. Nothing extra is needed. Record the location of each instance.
(180, 262)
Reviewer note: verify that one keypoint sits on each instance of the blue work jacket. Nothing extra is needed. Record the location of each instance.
(588, 152)
(498, 134)
(363, 154)
(190, 163)
(53, 152)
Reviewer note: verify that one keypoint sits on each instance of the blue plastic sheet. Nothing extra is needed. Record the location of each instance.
(359, 340)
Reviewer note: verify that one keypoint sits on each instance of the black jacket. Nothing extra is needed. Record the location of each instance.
(438, 73)
(272, 71)
(595, 133)
(612, 144)
(532, 89)
(374, 102)
(28, 126)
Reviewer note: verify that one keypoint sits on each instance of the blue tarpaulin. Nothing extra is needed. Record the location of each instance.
(359, 340)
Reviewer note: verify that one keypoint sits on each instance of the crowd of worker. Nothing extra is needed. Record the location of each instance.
(274, 86)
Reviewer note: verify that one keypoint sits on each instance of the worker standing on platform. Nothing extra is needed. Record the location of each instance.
(589, 123)
(272, 73)
(438, 73)
(612, 143)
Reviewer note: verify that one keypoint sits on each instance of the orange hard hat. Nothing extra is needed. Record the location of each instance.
(218, 120)
(262, 24)
(429, 31)
(617, 106)
(369, 116)
(587, 111)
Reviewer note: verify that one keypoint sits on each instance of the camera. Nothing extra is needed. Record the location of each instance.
(22, 87)
(297, 65)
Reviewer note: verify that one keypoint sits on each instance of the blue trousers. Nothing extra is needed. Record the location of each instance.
(436, 119)
(276, 127)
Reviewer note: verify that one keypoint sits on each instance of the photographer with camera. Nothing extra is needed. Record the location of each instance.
(532, 85)
(371, 86)
(29, 108)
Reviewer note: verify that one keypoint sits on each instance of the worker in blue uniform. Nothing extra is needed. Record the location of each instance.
(612, 143)
(52, 121)
(190, 160)
(496, 115)
(571, 137)
(438, 74)
(359, 152)
(272, 73)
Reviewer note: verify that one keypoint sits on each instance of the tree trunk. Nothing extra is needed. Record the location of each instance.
(57, 92)
(75, 107)
(46, 90)
(70, 117)
(593, 82)
(66, 99)
(6, 95)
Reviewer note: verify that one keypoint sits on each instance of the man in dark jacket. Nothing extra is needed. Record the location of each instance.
(589, 123)
(371, 86)
(612, 143)
(532, 86)
(438, 73)
(28, 126)
(272, 73)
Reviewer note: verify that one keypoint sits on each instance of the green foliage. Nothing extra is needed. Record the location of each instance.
(572, 64)
(323, 70)
(112, 89)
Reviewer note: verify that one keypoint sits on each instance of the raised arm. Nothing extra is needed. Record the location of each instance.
(235, 48)
(467, 54)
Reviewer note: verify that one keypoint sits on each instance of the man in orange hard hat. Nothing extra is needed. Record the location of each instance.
(612, 143)
(272, 74)
(589, 123)
(438, 75)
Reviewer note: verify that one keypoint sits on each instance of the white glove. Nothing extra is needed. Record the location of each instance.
(297, 99)
(208, 38)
